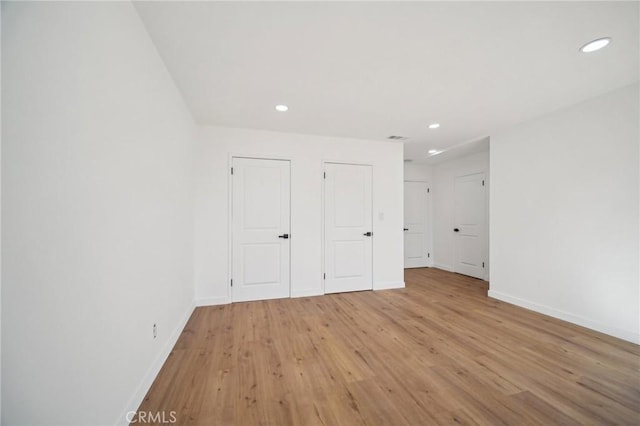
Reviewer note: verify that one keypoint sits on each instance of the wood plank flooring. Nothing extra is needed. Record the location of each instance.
(437, 352)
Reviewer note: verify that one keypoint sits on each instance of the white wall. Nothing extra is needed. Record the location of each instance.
(443, 205)
(215, 146)
(564, 214)
(418, 172)
(97, 220)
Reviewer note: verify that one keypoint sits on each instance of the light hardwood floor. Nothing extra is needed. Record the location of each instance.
(437, 352)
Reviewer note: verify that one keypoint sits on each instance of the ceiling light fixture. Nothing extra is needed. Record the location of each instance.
(433, 151)
(594, 45)
(434, 125)
(282, 108)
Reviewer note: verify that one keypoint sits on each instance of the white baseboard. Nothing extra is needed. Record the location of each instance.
(388, 285)
(154, 369)
(443, 266)
(212, 301)
(307, 293)
(569, 317)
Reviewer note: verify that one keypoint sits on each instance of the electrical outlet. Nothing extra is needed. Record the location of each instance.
(155, 331)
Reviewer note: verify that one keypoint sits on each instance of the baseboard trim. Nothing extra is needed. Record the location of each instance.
(629, 336)
(154, 369)
(212, 301)
(443, 267)
(307, 293)
(388, 285)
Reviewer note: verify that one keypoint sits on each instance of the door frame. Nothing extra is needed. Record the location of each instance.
(428, 225)
(230, 158)
(322, 217)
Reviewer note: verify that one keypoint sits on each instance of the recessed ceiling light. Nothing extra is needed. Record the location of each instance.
(282, 108)
(594, 45)
(433, 151)
(434, 125)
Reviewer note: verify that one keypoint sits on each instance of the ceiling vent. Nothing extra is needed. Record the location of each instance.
(398, 138)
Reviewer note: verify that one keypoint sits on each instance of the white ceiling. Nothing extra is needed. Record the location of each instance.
(374, 69)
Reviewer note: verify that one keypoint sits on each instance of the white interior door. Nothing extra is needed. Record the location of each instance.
(347, 227)
(469, 225)
(260, 229)
(417, 232)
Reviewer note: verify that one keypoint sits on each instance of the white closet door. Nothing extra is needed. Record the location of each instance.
(417, 238)
(260, 229)
(348, 230)
(469, 225)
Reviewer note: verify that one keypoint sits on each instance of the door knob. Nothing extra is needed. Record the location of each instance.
(285, 236)
(456, 230)
(406, 229)
(368, 234)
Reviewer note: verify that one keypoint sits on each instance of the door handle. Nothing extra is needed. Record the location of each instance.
(368, 234)
(456, 230)
(406, 229)
(285, 236)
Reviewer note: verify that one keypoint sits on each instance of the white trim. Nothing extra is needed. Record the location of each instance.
(323, 183)
(566, 316)
(348, 163)
(229, 225)
(308, 293)
(443, 267)
(487, 223)
(213, 301)
(388, 285)
(153, 370)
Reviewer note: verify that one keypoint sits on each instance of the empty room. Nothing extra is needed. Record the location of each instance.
(320, 213)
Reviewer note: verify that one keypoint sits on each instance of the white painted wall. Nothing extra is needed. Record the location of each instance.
(97, 220)
(443, 205)
(418, 172)
(564, 214)
(215, 145)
